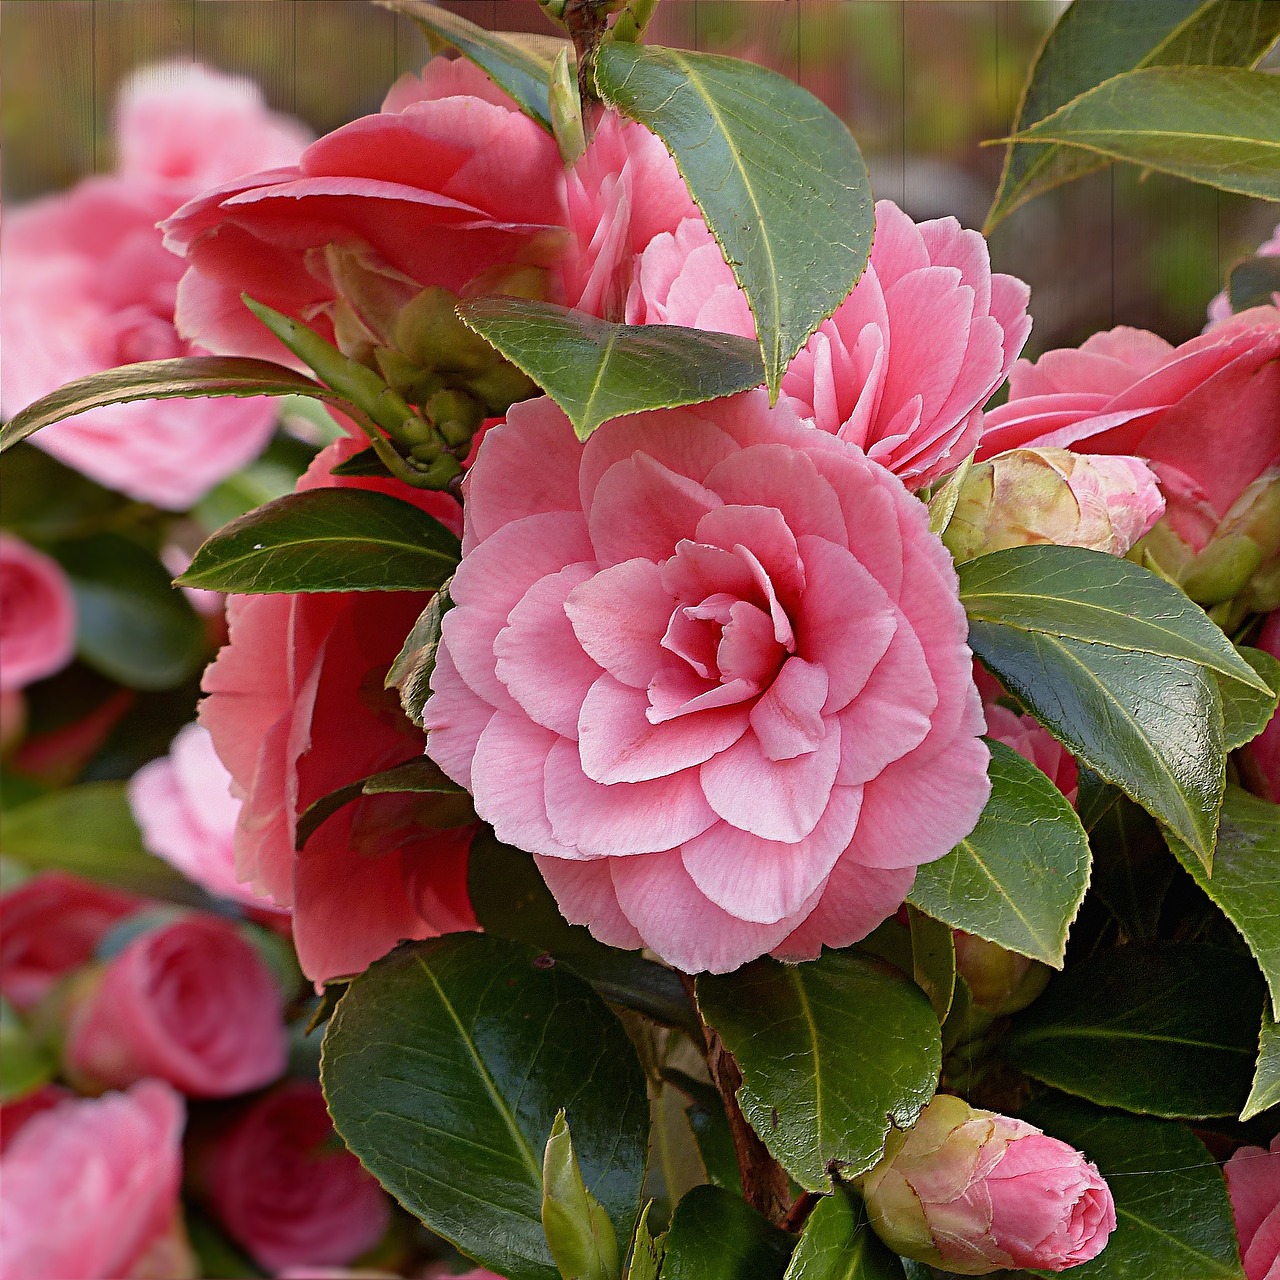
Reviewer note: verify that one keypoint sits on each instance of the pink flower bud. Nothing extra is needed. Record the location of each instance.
(974, 1192)
(1253, 1183)
(37, 615)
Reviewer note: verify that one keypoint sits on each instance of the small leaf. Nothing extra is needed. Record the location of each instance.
(1215, 125)
(328, 540)
(1246, 711)
(1019, 877)
(646, 1253)
(579, 1234)
(716, 1235)
(410, 673)
(1254, 283)
(1168, 1029)
(777, 176)
(24, 1065)
(838, 1244)
(522, 67)
(595, 370)
(364, 463)
(1265, 1091)
(831, 1052)
(933, 955)
(190, 377)
(444, 1068)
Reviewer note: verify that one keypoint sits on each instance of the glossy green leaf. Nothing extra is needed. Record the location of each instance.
(1264, 1093)
(595, 370)
(1166, 1029)
(838, 1244)
(716, 1235)
(1173, 1218)
(1019, 877)
(328, 540)
(1246, 711)
(1094, 40)
(1215, 125)
(24, 1064)
(1132, 869)
(410, 673)
(777, 176)
(831, 1052)
(1254, 282)
(1246, 877)
(933, 960)
(511, 899)
(520, 66)
(189, 377)
(130, 622)
(89, 830)
(445, 1066)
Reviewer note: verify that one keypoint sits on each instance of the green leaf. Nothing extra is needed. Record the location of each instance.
(1246, 711)
(1173, 1218)
(520, 66)
(646, 1253)
(595, 370)
(1253, 282)
(45, 501)
(511, 899)
(328, 540)
(1132, 870)
(710, 1128)
(1097, 39)
(1019, 877)
(716, 1235)
(410, 673)
(89, 830)
(445, 1066)
(1168, 1029)
(24, 1064)
(1245, 882)
(838, 1244)
(933, 960)
(1265, 1091)
(579, 1234)
(946, 497)
(831, 1052)
(777, 176)
(190, 377)
(130, 622)
(1215, 125)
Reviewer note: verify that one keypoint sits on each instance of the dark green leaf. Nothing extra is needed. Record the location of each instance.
(1265, 1091)
(364, 463)
(933, 960)
(44, 500)
(595, 370)
(190, 377)
(1097, 39)
(1246, 711)
(1132, 870)
(131, 624)
(410, 673)
(328, 540)
(1246, 877)
(716, 1235)
(832, 1052)
(1216, 125)
(1254, 282)
(1173, 1218)
(777, 176)
(511, 899)
(1168, 1029)
(89, 830)
(521, 66)
(1019, 877)
(838, 1244)
(445, 1066)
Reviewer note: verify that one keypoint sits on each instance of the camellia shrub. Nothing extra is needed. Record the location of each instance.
(754, 779)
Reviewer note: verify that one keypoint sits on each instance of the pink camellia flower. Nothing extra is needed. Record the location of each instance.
(1253, 1183)
(285, 1189)
(296, 709)
(91, 1191)
(711, 668)
(448, 181)
(89, 285)
(15, 1114)
(183, 805)
(37, 615)
(191, 1002)
(1265, 748)
(975, 1192)
(1220, 307)
(50, 925)
(903, 367)
(1031, 740)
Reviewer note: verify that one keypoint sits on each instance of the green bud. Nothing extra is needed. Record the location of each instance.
(1000, 982)
(373, 291)
(456, 416)
(416, 385)
(579, 1233)
(501, 387)
(440, 473)
(431, 336)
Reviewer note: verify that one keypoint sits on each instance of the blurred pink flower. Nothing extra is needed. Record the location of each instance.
(1034, 742)
(1220, 307)
(711, 668)
(15, 1113)
(37, 615)
(91, 1191)
(191, 1002)
(1253, 1182)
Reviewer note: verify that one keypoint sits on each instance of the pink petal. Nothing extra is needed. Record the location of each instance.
(585, 895)
(788, 718)
(855, 901)
(777, 475)
(454, 718)
(1253, 1182)
(620, 616)
(764, 532)
(506, 777)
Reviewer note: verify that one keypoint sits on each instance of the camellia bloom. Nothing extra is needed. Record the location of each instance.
(89, 285)
(975, 1192)
(285, 1189)
(191, 1002)
(91, 1190)
(1253, 1182)
(37, 615)
(15, 1113)
(296, 709)
(183, 805)
(50, 925)
(711, 668)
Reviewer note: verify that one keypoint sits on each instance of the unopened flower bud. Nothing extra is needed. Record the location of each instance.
(370, 294)
(1000, 982)
(432, 336)
(456, 415)
(974, 1192)
(1029, 496)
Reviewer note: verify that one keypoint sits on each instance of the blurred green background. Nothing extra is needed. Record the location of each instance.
(921, 83)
